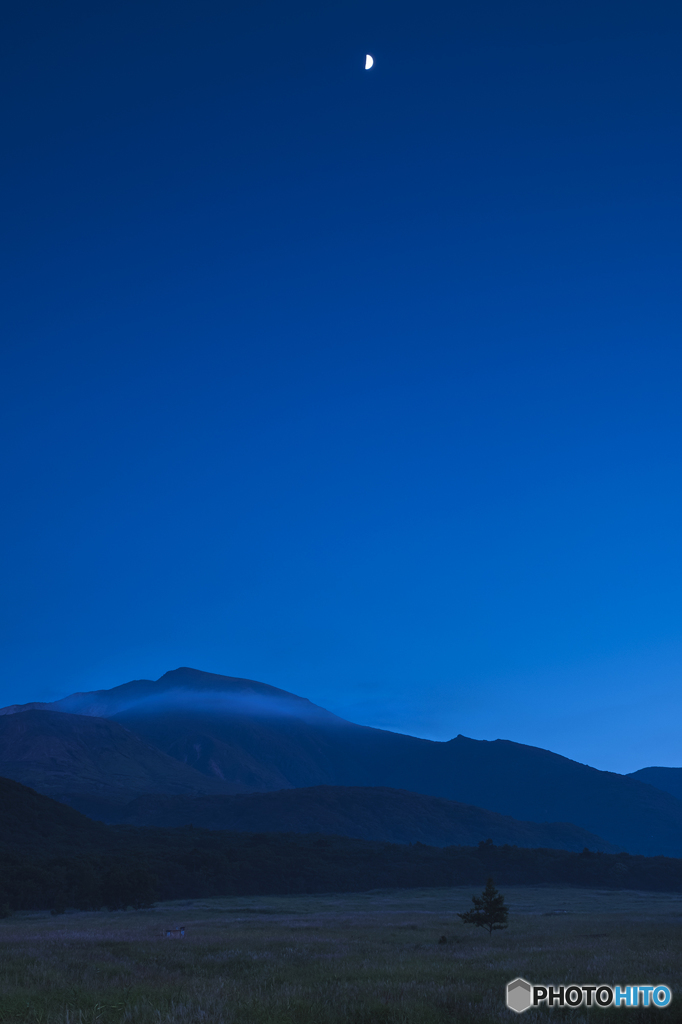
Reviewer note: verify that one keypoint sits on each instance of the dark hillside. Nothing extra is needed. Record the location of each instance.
(391, 815)
(89, 762)
(265, 748)
(52, 857)
(271, 751)
(667, 779)
(243, 736)
(32, 822)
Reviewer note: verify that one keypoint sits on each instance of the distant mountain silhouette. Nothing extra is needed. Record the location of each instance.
(91, 763)
(391, 815)
(257, 738)
(667, 779)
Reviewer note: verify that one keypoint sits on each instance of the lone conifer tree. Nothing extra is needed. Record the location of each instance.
(489, 910)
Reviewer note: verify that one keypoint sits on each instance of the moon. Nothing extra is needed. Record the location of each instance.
(369, 61)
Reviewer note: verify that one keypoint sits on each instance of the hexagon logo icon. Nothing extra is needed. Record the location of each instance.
(518, 995)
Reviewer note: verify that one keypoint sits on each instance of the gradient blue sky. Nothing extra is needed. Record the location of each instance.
(364, 384)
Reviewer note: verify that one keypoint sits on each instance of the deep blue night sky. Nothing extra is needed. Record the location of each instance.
(363, 384)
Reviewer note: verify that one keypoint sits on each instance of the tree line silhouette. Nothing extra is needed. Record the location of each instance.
(124, 866)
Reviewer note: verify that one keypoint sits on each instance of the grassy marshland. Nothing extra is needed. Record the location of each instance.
(370, 958)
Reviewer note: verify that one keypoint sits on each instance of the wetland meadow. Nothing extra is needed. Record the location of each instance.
(365, 958)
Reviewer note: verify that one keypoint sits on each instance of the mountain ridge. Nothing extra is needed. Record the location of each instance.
(117, 699)
(667, 779)
(378, 813)
(257, 738)
(88, 762)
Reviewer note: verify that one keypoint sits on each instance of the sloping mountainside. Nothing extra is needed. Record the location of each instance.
(667, 779)
(91, 763)
(391, 815)
(258, 738)
(51, 857)
(30, 822)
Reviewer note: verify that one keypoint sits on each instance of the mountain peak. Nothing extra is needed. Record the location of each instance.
(250, 736)
(232, 693)
(186, 678)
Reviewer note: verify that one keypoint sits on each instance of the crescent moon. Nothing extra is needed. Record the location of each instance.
(369, 61)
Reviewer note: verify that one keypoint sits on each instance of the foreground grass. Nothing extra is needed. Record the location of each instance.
(370, 958)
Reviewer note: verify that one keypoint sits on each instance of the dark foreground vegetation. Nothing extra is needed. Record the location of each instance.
(137, 866)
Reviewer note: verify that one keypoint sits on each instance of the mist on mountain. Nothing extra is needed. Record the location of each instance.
(239, 735)
(184, 690)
